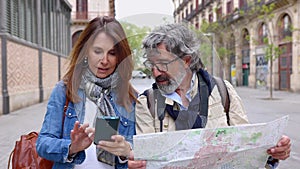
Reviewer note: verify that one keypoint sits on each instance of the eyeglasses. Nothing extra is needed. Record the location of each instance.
(161, 66)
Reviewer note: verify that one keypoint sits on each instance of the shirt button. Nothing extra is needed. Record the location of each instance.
(70, 114)
(166, 125)
(125, 122)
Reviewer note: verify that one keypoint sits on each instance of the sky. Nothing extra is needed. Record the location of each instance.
(145, 12)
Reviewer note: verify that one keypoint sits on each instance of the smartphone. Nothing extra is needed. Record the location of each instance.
(105, 127)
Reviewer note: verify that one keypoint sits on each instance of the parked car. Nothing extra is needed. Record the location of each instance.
(138, 74)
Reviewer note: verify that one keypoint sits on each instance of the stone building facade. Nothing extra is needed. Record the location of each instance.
(35, 40)
(83, 11)
(247, 31)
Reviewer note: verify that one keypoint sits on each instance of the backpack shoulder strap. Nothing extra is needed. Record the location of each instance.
(150, 101)
(224, 96)
(156, 103)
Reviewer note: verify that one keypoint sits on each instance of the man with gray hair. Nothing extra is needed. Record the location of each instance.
(184, 95)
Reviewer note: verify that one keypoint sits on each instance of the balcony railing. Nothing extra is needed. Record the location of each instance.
(284, 34)
(207, 2)
(89, 15)
(191, 15)
(182, 5)
(81, 15)
(237, 14)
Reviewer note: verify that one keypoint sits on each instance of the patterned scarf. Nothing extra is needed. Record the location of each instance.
(98, 91)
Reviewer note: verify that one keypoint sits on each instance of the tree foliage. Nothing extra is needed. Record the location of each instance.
(217, 29)
(135, 35)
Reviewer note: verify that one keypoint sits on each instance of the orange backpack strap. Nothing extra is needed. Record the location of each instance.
(10, 156)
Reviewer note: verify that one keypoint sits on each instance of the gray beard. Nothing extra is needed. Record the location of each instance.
(173, 85)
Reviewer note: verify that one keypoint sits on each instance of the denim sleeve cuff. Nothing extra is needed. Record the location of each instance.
(272, 163)
(77, 159)
(71, 158)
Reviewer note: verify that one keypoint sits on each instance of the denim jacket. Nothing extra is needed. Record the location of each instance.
(53, 144)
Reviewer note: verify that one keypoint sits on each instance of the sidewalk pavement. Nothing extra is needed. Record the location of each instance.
(260, 109)
(30, 118)
(17, 123)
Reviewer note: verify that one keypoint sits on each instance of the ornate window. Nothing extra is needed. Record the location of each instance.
(285, 27)
(262, 34)
(219, 13)
(81, 9)
(243, 4)
(246, 37)
(229, 6)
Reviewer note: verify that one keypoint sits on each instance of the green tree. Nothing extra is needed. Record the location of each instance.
(214, 35)
(272, 52)
(135, 35)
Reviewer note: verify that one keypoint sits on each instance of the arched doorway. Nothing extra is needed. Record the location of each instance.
(261, 61)
(75, 36)
(285, 46)
(232, 62)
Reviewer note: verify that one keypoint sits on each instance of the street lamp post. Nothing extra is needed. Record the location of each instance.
(211, 34)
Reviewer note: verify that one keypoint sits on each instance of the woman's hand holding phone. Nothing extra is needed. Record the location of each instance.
(118, 146)
(105, 128)
(107, 138)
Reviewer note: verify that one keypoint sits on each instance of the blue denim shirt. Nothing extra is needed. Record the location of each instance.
(53, 145)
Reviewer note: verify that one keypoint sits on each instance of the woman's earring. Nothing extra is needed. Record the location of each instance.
(85, 62)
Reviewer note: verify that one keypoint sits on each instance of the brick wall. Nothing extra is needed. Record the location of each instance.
(23, 74)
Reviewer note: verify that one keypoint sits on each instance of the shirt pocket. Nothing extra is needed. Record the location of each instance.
(70, 119)
(127, 129)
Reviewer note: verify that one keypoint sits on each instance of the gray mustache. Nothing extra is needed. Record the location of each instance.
(161, 78)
